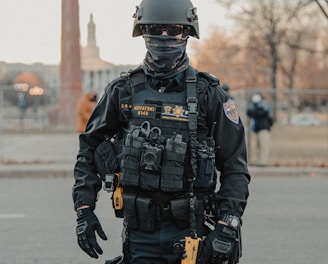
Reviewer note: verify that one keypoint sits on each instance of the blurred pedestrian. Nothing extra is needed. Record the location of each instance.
(260, 113)
(86, 105)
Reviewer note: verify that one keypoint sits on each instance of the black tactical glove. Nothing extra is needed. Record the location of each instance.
(220, 245)
(117, 260)
(87, 224)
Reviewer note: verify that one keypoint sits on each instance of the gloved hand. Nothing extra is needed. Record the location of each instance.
(87, 224)
(220, 245)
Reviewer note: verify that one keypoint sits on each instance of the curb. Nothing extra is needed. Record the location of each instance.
(37, 170)
(288, 171)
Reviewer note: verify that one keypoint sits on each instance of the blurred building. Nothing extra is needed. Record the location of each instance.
(96, 72)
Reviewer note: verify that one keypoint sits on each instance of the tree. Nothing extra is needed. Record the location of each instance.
(218, 54)
(231, 59)
(267, 24)
(323, 6)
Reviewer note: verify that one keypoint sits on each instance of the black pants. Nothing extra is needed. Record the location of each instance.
(157, 247)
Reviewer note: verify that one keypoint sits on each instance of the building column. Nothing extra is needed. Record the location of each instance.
(70, 67)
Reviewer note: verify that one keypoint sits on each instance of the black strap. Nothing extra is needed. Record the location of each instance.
(192, 124)
(192, 121)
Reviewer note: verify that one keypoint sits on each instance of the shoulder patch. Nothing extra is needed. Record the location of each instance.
(231, 112)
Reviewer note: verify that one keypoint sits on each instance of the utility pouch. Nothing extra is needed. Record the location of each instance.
(129, 201)
(172, 179)
(131, 158)
(146, 214)
(105, 158)
(206, 164)
(180, 212)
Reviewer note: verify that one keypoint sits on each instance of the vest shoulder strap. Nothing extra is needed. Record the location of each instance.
(135, 75)
(213, 81)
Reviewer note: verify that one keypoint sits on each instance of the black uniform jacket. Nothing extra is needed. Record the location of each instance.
(216, 114)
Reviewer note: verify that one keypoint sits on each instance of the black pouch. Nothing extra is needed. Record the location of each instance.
(131, 158)
(172, 179)
(146, 214)
(206, 165)
(149, 180)
(129, 202)
(180, 209)
(105, 158)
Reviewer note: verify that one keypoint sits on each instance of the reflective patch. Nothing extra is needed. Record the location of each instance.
(174, 112)
(126, 106)
(231, 111)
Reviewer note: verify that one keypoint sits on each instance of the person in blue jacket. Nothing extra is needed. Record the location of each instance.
(260, 113)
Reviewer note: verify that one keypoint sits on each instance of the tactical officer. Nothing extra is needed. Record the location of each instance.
(169, 135)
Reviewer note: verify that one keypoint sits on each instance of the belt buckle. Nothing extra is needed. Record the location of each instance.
(166, 212)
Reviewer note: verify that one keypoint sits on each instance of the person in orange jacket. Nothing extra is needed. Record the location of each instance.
(85, 107)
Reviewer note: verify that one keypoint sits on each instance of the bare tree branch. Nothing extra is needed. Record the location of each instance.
(325, 12)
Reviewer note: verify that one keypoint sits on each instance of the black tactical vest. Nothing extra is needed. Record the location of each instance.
(155, 145)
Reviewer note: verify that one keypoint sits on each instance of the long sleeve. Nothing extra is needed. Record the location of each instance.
(87, 182)
(231, 155)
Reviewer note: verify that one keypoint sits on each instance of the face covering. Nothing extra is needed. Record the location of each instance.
(166, 56)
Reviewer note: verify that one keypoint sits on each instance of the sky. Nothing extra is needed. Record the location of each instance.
(30, 29)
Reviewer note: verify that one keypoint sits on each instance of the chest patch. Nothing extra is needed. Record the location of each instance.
(174, 112)
(231, 111)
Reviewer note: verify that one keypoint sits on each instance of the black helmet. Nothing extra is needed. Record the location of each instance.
(180, 12)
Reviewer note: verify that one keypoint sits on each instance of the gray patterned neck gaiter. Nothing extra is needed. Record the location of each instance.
(166, 56)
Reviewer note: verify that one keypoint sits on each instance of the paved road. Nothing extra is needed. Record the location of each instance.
(285, 222)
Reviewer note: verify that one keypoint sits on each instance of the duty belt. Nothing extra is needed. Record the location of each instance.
(163, 212)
